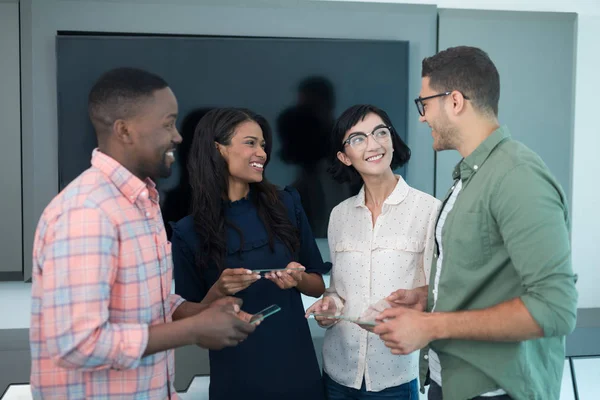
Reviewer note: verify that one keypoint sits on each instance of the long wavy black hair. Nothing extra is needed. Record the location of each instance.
(209, 177)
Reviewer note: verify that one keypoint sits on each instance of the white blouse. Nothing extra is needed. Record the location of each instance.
(369, 263)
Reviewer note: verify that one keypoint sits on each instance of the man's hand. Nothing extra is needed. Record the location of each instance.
(237, 304)
(210, 325)
(371, 313)
(404, 330)
(366, 327)
(222, 325)
(415, 299)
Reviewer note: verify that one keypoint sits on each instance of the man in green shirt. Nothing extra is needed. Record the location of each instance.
(501, 295)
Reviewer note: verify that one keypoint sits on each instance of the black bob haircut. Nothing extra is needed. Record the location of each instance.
(343, 173)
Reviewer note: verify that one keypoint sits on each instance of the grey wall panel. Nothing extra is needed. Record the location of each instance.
(190, 361)
(535, 56)
(11, 265)
(15, 357)
(31, 210)
(342, 20)
(584, 340)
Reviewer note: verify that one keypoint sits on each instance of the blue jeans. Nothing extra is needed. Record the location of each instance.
(335, 391)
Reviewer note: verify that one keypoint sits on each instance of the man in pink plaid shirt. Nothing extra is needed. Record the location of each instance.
(103, 321)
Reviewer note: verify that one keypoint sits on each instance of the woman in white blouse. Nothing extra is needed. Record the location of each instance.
(380, 240)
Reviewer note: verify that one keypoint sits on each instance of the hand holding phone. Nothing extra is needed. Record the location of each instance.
(233, 280)
(219, 326)
(288, 277)
(357, 320)
(267, 312)
(324, 311)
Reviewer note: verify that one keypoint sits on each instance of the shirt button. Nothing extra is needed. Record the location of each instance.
(475, 167)
(426, 357)
(148, 214)
(144, 194)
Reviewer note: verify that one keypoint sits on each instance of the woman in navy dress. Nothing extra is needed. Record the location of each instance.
(241, 222)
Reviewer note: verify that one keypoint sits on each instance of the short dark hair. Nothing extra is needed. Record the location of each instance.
(468, 70)
(343, 173)
(118, 92)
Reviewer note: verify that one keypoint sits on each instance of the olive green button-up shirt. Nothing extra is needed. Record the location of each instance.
(507, 236)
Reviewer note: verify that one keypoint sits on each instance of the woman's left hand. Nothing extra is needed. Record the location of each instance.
(288, 278)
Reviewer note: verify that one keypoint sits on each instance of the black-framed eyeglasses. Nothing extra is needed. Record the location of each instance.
(421, 106)
(358, 140)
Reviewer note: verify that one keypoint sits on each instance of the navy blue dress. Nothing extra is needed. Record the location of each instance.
(278, 360)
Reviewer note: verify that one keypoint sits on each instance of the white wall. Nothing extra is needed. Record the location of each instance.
(586, 168)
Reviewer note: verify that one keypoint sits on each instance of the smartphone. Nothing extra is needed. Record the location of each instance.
(356, 320)
(264, 271)
(267, 312)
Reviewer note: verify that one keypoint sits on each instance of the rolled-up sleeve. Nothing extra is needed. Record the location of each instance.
(79, 262)
(531, 212)
(174, 301)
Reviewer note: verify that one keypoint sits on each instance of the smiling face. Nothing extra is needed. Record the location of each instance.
(245, 155)
(436, 116)
(372, 157)
(153, 136)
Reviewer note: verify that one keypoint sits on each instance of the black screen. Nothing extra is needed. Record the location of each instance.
(265, 75)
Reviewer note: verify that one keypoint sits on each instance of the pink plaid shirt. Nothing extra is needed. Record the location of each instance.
(102, 275)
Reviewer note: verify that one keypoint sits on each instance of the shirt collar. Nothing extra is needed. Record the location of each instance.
(396, 197)
(471, 164)
(128, 184)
